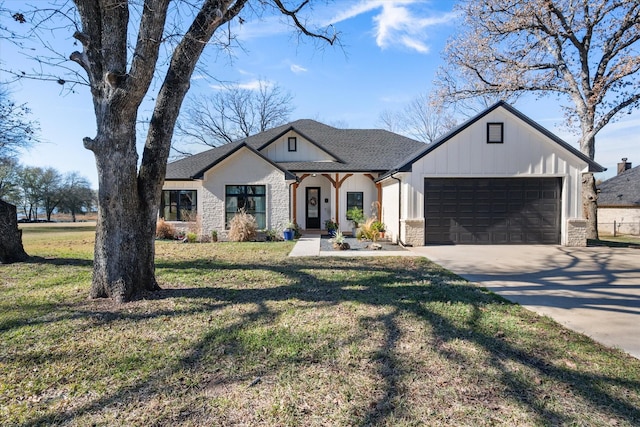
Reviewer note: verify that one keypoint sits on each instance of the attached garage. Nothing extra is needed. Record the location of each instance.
(499, 178)
(492, 210)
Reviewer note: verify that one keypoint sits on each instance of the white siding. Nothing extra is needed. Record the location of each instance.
(357, 182)
(390, 214)
(278, 151)
(524, 153)
(243, 168)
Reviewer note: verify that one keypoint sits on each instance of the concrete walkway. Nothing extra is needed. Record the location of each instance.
(595, 290)
(309, 245)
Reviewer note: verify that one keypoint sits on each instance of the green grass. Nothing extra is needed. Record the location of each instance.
(243, 335)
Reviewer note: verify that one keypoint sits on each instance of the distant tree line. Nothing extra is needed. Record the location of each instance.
(36, 191)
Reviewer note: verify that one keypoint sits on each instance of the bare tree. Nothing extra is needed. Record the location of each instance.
(120, 54)
(234, 112)
(421, 119)
(51, 190)
(583, 51)
(9, 179)
(77, 195)
(17, 129)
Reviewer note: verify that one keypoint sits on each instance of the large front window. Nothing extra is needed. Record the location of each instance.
(179, 205)
(250, 198)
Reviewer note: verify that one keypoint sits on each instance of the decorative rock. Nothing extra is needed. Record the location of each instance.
(341, 246)
(375, 246)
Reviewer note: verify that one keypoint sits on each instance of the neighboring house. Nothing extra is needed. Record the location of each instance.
(498, 178)
(619, 201)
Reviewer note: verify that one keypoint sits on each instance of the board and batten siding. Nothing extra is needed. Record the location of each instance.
(278, 151)
(390, 212)
(525, 152)
(243, 168)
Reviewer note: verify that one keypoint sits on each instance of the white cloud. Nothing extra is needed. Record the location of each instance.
(298, 68)
(248, 85)
(397, 22)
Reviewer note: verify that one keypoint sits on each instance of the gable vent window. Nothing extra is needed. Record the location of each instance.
(293, 143)
(495, 133)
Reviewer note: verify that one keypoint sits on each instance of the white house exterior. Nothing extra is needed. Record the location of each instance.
(305, 172)
(499, 178)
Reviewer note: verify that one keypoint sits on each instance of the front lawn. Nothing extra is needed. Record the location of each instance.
(243, 335)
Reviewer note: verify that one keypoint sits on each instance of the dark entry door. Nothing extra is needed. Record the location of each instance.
(313, 208)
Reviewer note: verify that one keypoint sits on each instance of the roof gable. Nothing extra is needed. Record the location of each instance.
(352, 150)
(621, 190)
(194, 167)
(305, 150)
(406, 165)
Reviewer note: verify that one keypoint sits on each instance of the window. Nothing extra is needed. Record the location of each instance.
(354, 200)
(250, 198)
(495, 133)
(179, 205)
(293, 143)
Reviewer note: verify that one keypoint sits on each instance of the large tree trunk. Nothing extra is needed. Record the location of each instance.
(590, 204)
(589, 191)
(124, 247)
(11, 249)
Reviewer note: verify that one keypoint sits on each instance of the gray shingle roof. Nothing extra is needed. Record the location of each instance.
(621, 190)
(357, 150)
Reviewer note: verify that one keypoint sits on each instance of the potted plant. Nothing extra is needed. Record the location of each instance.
(289, 231)
(331, 226)
(356, 216)
(214, 235)
(379, 226)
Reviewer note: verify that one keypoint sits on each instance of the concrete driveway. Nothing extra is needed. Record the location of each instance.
(593, 290)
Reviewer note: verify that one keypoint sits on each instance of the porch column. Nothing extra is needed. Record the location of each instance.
(337, 183)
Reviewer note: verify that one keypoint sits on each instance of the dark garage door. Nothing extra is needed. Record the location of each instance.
(492, 210)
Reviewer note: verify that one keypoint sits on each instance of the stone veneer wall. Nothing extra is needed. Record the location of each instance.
(412, 232)
(576, 232)
(213, 199)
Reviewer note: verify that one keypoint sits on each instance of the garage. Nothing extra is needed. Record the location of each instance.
(492, 210)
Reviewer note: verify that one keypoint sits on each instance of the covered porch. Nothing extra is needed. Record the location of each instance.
(321, 196)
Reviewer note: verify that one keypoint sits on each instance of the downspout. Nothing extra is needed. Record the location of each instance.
(400, 242)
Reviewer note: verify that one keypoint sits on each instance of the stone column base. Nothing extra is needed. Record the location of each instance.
(576, 232)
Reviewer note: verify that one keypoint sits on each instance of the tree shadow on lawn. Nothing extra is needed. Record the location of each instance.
(401, 286)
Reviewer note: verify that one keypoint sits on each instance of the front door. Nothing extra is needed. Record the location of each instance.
(313, 208)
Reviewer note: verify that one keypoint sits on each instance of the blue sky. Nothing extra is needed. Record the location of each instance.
(391, 51)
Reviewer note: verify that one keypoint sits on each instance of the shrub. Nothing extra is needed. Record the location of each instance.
(164, 230)
(192, 237)
(369, 230)
(243, 227)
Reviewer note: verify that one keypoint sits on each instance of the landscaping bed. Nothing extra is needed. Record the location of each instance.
(326, 245)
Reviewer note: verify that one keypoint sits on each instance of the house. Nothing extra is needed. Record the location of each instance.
(498, 178)
(305, 171)
(619, 202)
